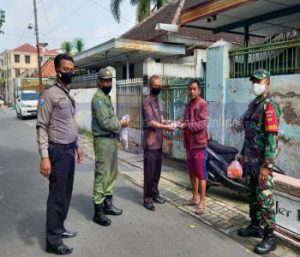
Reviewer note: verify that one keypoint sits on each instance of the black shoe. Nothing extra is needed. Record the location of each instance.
(158, 199)
(109, 208)
(253, 230)
(68, 234)
(269, 243)
(149, 206)
(60, 250)
(99, 216)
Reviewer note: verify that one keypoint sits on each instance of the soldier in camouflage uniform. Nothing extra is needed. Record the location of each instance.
(260, 123)
(105, 126)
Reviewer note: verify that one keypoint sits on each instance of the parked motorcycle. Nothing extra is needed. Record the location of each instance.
(218, 159)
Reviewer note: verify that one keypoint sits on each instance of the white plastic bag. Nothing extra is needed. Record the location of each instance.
(235, 170)
(124, 133)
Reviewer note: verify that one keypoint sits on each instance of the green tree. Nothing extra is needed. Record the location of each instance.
(78, 44)
(67, 47)
(2, 19)
(143, 8)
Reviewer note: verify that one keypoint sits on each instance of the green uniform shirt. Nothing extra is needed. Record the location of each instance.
(260, 145)
(104, 119)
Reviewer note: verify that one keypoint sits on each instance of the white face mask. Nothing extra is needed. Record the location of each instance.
(258, 89)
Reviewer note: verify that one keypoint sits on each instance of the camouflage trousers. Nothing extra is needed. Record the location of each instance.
(261, 201)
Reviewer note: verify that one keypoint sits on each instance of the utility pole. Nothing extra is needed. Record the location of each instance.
(38, 46)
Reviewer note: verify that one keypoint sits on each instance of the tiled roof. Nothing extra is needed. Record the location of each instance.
(191, 3)
(48, 70)
(208, 35)
(51, 52)
(27, 48)
(145, 30)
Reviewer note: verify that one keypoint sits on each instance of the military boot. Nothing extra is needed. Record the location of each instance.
(109, 208)
(253, 230)
(269, 242)
(99, 216)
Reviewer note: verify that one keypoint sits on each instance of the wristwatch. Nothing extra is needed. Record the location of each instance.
(269, 166)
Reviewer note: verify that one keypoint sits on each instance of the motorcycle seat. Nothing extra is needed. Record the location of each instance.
(222, 149)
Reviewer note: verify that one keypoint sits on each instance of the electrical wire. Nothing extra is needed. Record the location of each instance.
(53, 38)
(22, 35)
(104, 8)
(70, 14)
(28, 37)
(7, 34)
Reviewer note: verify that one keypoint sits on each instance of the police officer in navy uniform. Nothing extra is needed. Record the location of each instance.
(57, 136)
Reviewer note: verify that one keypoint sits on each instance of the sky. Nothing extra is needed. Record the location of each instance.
(61, 20)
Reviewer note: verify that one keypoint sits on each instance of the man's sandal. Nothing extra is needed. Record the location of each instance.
(199, 211)
(191, 203)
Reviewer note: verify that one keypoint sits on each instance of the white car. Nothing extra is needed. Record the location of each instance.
(26, 105)
(1, 102)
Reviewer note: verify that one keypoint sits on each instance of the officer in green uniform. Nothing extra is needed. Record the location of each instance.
(259, 151)
(105, 127)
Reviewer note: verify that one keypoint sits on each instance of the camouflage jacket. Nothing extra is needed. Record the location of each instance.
(260, 123)
(104, 119)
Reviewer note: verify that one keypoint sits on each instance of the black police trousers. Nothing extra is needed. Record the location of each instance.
(62, 158)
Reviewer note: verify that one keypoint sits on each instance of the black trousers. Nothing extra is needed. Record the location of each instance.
(62, 158)
(152, 171)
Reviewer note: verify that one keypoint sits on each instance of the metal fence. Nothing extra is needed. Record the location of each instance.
(173, 98)
(281, 57)
(129, 100)
(85, 81)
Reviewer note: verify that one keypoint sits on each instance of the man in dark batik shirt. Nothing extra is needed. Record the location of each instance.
(152, 143)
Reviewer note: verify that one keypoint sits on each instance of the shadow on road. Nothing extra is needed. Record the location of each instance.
(32, 227)
(83, 204)
(130, 194)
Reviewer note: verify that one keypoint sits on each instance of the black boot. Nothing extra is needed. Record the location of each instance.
(99, 216)
(269, 243)
(253, 230)
(109, 208)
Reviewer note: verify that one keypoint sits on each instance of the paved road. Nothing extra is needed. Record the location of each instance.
(137, 233)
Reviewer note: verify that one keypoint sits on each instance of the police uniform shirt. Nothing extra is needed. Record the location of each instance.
(55, 118)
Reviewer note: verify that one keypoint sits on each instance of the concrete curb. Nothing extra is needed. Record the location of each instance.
(219, 215)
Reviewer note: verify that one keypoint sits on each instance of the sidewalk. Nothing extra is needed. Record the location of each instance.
(225, 210)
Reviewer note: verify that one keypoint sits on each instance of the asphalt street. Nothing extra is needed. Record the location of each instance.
(167, 232)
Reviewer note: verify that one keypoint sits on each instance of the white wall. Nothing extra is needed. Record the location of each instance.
(83, 98)
(178, 68)
(285, 91)
(229, 98)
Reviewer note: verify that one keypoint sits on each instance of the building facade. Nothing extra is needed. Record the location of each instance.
(21, 62)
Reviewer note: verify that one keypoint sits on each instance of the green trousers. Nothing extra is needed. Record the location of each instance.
(106, 167)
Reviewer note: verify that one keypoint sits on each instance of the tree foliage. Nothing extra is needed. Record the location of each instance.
(2, 19)
(78, 44)
(143, 8)
(67, 47)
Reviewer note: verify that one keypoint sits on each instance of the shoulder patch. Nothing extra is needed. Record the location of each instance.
(42, 101)
(271, 120)
(99, 103)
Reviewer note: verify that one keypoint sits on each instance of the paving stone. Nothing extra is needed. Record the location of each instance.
(173, 186)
